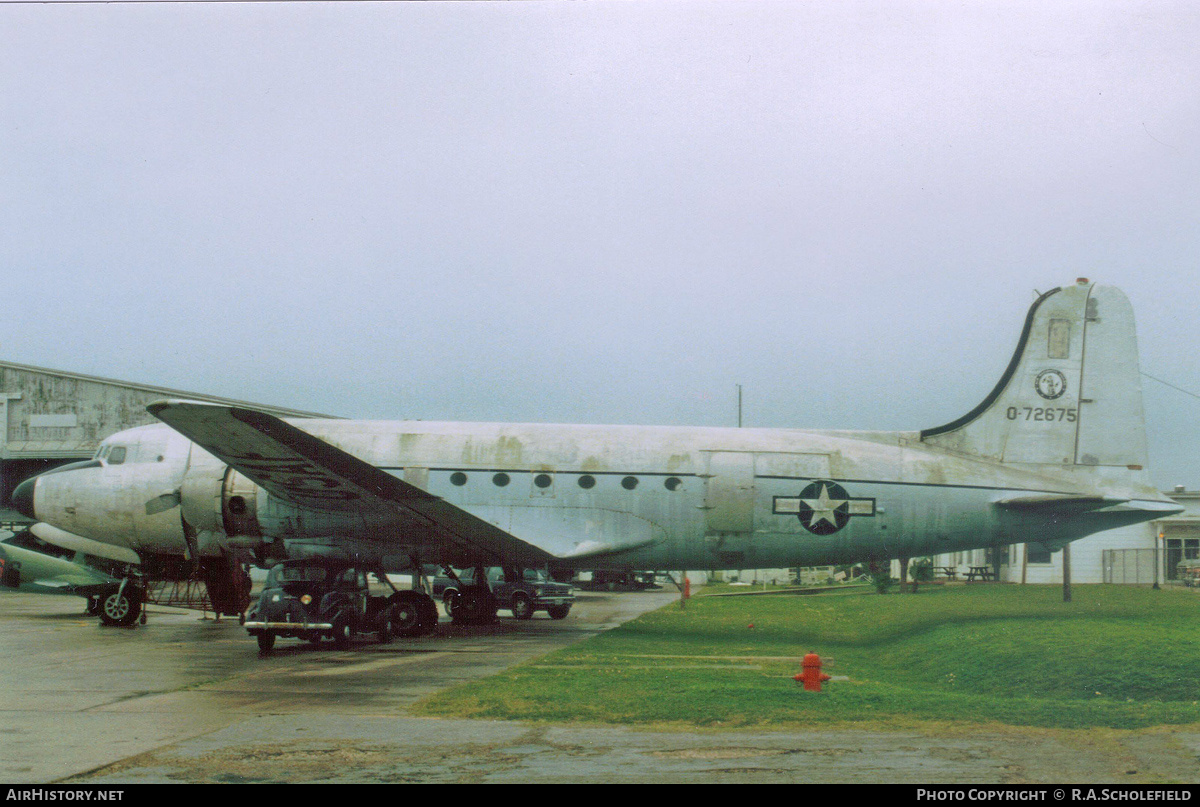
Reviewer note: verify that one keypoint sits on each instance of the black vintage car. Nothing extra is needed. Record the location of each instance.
(315, 600)
(521, 591)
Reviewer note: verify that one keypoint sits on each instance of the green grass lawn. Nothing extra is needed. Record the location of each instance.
(1116, 657)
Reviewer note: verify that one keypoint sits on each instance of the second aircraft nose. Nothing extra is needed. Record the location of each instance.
(22, 498)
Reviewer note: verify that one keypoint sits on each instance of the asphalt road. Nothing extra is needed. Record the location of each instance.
(185, 699)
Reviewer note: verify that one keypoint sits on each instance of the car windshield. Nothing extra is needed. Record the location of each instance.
(298, 574)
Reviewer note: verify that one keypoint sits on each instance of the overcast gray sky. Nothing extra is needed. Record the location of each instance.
(598, 212)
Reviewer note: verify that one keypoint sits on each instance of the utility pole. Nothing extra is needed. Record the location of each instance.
(739, 389)
(1066, 562)
(1157, 535)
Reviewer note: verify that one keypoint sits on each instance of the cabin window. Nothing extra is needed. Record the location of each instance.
(629, 482)
(542, 480)
(673, 483)
(501, 479)
(587, 481)
(458, 478)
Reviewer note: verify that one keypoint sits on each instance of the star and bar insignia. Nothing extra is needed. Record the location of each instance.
(824, 507)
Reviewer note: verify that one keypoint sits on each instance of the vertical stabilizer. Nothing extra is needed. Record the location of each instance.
(1072, 394)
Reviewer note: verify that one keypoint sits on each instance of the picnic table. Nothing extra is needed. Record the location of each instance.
(951, 572)
(982, 572)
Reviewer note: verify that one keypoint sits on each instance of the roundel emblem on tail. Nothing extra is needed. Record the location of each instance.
(1050, 384)
(824, 507)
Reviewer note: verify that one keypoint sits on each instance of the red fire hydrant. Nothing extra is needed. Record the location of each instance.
(810, 673)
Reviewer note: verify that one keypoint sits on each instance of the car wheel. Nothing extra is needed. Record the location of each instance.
(522, 607)
(343, 631)
(558, 611)
(266, 641)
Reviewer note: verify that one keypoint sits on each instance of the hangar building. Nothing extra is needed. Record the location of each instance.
(52, 417)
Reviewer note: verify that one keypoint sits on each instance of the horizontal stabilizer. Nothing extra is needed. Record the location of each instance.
(1059, 503)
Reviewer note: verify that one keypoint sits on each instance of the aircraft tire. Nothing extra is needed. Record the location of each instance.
(384, 628)
(266, 641)
(474, 605)
(407, 613)
(121, 608)
(522, 606)
(558, 611)
(430, 621)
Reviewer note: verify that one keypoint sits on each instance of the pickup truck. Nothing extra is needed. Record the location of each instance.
(534, 591)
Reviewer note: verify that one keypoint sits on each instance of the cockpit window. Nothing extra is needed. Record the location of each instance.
(117, 455)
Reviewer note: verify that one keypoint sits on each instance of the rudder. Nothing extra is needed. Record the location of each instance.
(1071, 394)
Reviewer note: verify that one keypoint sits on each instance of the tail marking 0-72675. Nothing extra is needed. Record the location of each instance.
(1056, 451)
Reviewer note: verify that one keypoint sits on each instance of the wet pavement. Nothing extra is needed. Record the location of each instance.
(186, 699)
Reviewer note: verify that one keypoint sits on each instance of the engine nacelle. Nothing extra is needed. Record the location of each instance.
(223, 508)
(217, 499)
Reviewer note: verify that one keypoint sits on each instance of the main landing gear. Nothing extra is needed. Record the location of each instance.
(412, 613)
(473, 604)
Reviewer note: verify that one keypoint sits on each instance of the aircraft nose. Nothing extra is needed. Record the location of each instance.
(22, 498)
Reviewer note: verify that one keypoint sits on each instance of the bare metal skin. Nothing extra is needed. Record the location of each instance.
(1056, 452)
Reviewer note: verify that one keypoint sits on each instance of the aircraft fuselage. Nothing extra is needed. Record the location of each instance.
(594, 496)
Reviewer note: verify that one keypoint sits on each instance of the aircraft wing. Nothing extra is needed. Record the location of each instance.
(306, 471)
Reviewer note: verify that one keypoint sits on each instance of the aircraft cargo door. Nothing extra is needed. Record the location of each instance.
(729, 493)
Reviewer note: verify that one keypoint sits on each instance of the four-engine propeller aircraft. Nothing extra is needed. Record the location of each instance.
(1055, 452)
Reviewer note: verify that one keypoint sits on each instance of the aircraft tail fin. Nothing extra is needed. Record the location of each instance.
(1072, 394)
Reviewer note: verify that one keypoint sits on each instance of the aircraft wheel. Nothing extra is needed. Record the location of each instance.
(522, 607)
(121, 608)
(429, 621)
(558, 611)
(266, 641)
(474, 605)
(384, 628)
(408, 613)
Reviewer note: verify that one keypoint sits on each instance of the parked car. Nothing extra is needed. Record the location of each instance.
(617, 581)
(315, 600)
(535, 591)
